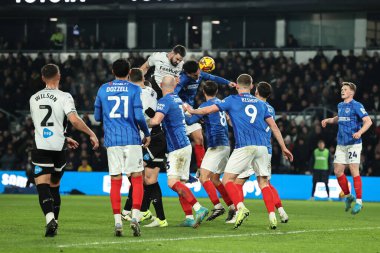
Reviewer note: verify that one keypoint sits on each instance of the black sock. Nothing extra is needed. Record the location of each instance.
(128, 203)
(314, 186)
(146, 199)
(45, 198)
(156, 197)
(327, 190)
(57, 200)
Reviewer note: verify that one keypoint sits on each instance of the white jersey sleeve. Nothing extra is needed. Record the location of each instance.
(49, 109)
(149, 99)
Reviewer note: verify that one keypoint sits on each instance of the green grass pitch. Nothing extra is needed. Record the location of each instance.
(86, 225)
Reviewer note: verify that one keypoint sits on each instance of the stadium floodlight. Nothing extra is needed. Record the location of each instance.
(215, 22)
(53, 19)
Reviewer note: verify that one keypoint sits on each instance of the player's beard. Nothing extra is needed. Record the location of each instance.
(173, 63)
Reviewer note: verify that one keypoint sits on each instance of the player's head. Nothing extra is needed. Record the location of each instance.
(136, 75)
(244, 81)
(210, 88)
(120, 68)
(348, 90)
(191, 68)
(263, 89)
(177, 54)
(321, 144)
(50, 72)
(168, 84)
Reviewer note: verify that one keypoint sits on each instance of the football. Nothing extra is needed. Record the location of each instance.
(207, 64)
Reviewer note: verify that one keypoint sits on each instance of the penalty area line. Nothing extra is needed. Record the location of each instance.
(89, 244)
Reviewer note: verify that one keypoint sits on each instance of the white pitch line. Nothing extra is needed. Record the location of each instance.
(213, 237)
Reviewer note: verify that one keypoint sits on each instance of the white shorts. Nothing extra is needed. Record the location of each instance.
(215, 159)
(192, 128)
(348, 154)
(245, 158)
(250, 172)
(125, 159)
(178, 163)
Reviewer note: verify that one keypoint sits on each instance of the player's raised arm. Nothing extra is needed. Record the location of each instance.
(277, 134)
(333, 120)
(145, 67)
(81, 126)
(204, 110)
(217, 79)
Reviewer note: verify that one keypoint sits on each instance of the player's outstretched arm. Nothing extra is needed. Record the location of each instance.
(367, 122)
(217, 79)
(277, 134)
(145, 67)
(202, 111)
(81, 126)
(333, 120)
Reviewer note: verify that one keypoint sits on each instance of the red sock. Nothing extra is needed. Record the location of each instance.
(199, 151)
(211, 192)
(343, 183)
(268, 198)
(224, 194)
(186, 207)
(358, 187)
(276, 197)
(185, 192)
(233, 192)
(115, 195)
(240, 190)
(138, 192)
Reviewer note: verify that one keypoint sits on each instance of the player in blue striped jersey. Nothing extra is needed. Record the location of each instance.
(170, 113)
(353, 121)
(118, 105)
(187, 88)
(250, 118)
(217, 153)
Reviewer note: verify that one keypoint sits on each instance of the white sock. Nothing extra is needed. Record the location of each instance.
(117, 218)
(240, 205)
(272, 215)
(359, 201)
(136, 214)
(49, 217)
(125, 212)
(231, 207)
(281, 211)
(191, 217)
(218, 206)
(197, 206)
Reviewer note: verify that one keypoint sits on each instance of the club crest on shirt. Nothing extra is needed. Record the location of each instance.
(347, 110)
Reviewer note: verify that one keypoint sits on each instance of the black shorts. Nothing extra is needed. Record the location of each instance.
(48, 162)
(156, 87)
(155, 154)
(321, 176)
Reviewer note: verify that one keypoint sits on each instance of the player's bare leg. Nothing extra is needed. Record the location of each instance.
(229, 183)
(354, 169)
(268, 200)
(205, 176)
(343, 183)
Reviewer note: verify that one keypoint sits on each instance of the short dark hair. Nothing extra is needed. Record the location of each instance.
(210, 88)
(349, 84)
(264, 89)
(121, 68)
(244, 80)
(179, 49)
(190, 67)
(136, 75)
(49, 71)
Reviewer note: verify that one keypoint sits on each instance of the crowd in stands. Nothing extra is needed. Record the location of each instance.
(296, 87)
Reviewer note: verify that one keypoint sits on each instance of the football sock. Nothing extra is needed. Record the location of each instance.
(185, 192)
(46, 201)
(358, 187)
(327, 190)
(343, 183)
(313, 188)
(156, 198)
(276, 197)
(136, 214)
(240, 192)
(233, 192)
(117, 217)
(138, 192)
(211, 192)
(224, 194)
(115, 195)
(199, 151)
(146, 199)
(128, 202)
(186, 207)
(268, 198)
(57, 201)
(281, 210)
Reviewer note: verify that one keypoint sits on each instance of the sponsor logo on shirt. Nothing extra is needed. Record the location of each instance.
(160, 107)
(37, 169)
(363, 110)
(344, 119)
(47, 133)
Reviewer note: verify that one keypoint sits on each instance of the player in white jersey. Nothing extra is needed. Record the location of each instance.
(165, 64)
(50, 108)
(154, 158)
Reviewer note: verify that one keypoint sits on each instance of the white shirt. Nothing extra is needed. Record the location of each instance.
(149, 99)
(163, 66)
(49, 108)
